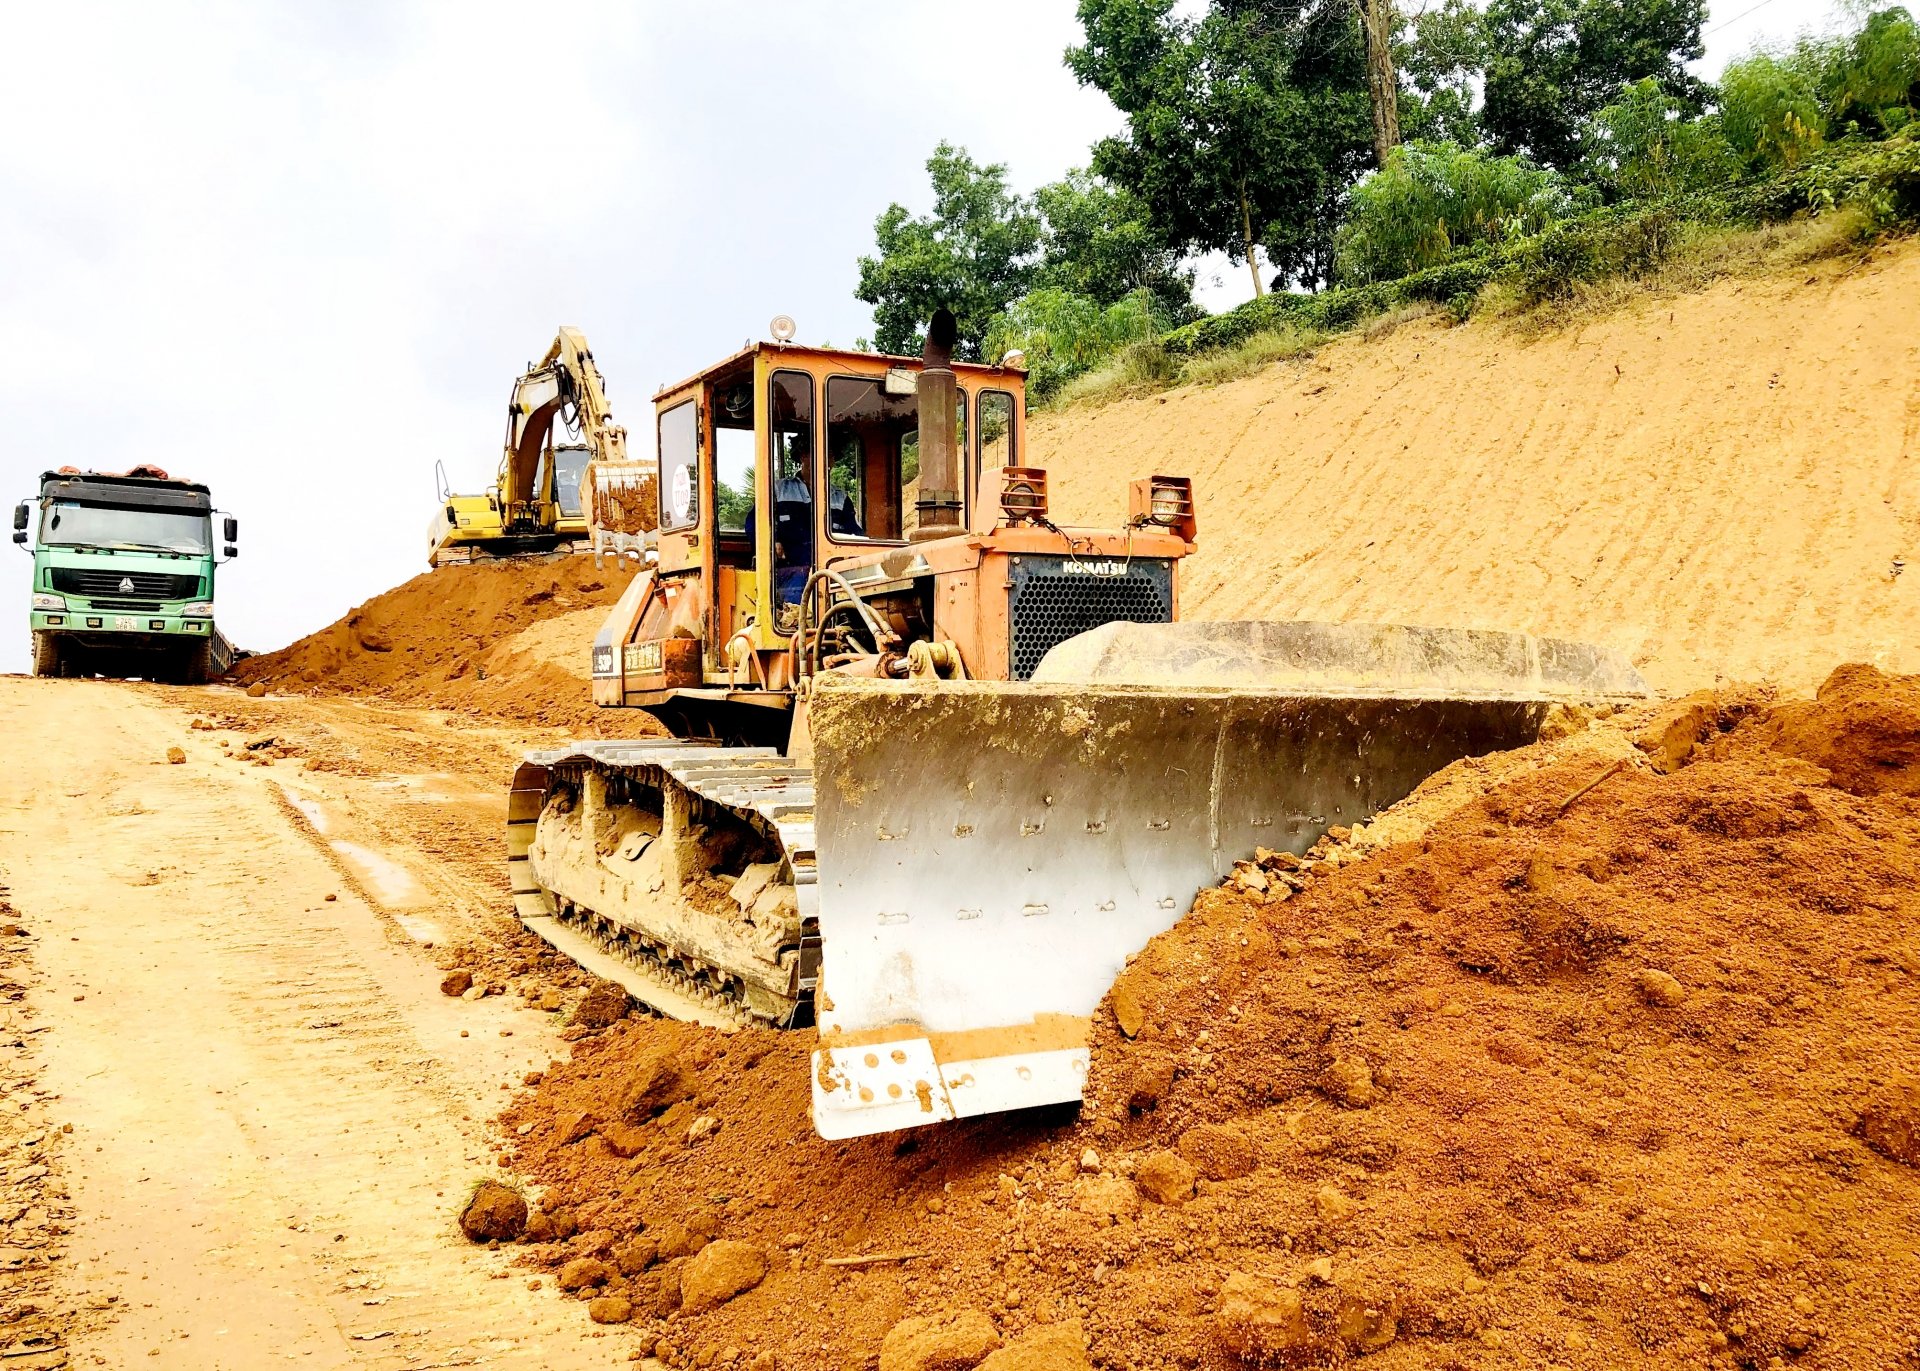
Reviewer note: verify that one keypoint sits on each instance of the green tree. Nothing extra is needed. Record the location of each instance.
(974, 254)
(1442, 52)
(1245, 124)
(1097, 243)
(1646, 145)
(1553, 64)
(1770, 108)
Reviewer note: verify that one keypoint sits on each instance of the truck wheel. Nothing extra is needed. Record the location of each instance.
(196, 664)
(46, 655)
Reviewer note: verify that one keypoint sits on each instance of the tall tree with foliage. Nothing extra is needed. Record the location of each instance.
(1245, 125)
(1098, 244)
(974, 254)
(1442, 51)
(1553, 64)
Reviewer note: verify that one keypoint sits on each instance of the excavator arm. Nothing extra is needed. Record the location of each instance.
(566, 376)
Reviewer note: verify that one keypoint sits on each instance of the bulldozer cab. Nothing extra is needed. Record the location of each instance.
(781, 460)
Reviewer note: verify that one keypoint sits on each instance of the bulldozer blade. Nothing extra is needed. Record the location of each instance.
(991, 854)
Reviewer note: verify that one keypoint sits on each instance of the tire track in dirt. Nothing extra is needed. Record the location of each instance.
(276, 1113)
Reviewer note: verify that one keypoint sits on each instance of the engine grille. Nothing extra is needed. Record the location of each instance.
(1054, 598)
(103, 585)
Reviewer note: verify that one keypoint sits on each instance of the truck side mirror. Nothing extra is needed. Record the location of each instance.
(20, 517)
(231, 551)
(232, 531)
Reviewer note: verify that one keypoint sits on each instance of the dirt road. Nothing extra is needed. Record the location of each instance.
(231, 1001)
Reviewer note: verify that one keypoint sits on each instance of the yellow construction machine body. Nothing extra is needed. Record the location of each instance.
(940, 765)
(541, 498)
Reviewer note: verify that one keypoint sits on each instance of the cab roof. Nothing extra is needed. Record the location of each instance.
(869, 361)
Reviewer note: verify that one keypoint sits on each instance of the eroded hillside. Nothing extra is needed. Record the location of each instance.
(1721, 484)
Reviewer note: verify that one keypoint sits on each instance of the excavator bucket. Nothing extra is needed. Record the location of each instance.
(990, 854)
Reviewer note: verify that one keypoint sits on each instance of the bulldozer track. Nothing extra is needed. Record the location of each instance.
(756, 785)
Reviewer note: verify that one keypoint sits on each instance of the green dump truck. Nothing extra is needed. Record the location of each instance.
(123, 568)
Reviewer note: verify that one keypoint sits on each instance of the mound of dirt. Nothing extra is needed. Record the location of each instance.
(1723, 485)
(511, 640)
(1575, 1074)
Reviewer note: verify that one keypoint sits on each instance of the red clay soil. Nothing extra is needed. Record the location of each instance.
(1623, 1081)
(446, 640)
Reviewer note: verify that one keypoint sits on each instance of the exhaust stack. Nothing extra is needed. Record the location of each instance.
(937, 507)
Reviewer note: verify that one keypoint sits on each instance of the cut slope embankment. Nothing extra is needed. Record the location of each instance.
(1721, 484)
(508, 639)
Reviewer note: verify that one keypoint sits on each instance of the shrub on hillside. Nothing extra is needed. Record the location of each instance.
(1065, 335)
(1431, 199)
(1646, 145)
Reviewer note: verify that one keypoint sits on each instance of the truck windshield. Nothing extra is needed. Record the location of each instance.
(75, 525)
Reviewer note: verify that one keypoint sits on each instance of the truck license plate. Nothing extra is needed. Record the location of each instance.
(126, 622)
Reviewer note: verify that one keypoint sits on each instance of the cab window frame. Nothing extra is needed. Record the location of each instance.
(986, 394)
(692, 520)
(826, 429)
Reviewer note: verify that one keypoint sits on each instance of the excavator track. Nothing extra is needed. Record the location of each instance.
(681, 871)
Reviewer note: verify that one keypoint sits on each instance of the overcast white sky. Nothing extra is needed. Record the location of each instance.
(299, 251)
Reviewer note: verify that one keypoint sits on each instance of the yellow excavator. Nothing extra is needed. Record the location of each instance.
(541, 501)
(939, 765)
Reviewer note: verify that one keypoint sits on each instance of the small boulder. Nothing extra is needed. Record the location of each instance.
(1261, 1322)
(257, 690)
(1890, 1122)
(1128, 1011)
(1218, 1151)
(1107, 1199)
(610, 1309)
(718, 1272)
(624, 1140)
(655, 1083)
(495, 1213)
(1349, 1079)
(175, 756)
(456, 982)
(954, 1340)
(603, 1006)
(1050, 1347)
(1164, 1178)
(1366, 1326)
(1151, 1079)
(1658, 988)
(1333, 1205)
(582, 1273)
(636, 1254)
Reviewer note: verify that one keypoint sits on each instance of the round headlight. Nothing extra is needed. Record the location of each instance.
(1020, 500)
(1166, 506)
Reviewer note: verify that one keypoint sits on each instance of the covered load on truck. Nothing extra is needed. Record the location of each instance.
(123, 576)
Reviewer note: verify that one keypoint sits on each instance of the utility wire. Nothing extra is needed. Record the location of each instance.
(1738, 17)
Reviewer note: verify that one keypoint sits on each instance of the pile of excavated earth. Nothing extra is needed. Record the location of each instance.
(1599, 1053)
(507, 640)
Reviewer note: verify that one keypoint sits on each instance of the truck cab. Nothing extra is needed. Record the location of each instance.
(123, 576)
